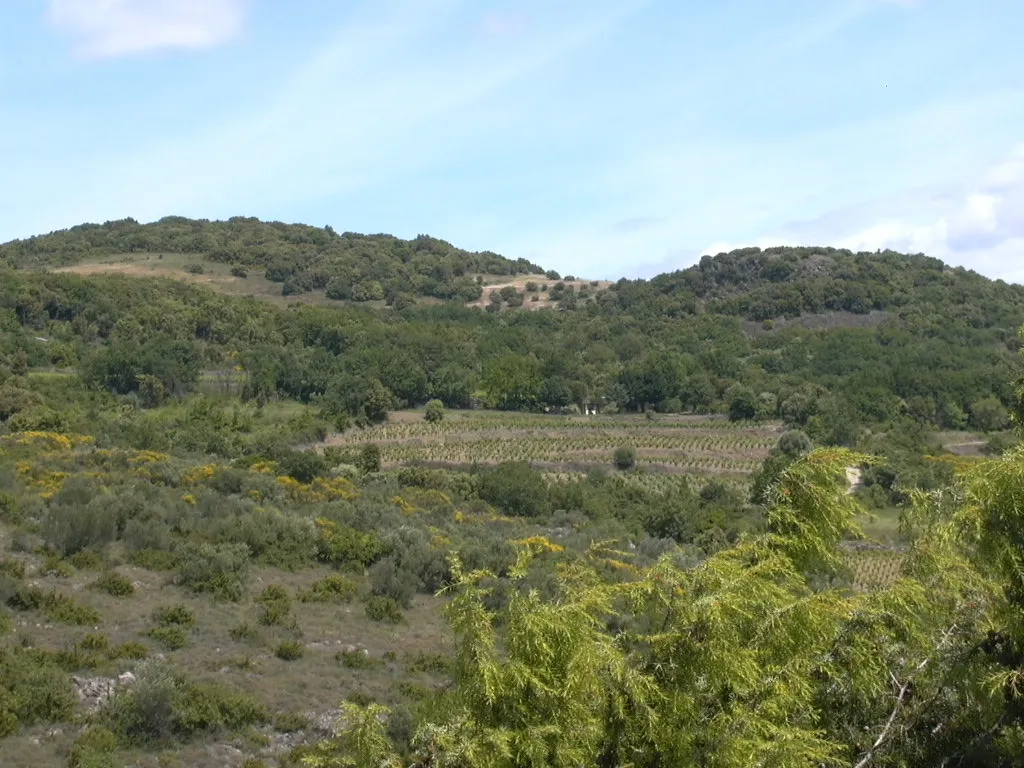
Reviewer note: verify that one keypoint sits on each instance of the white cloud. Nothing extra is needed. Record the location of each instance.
(980, 226)
(111, 28)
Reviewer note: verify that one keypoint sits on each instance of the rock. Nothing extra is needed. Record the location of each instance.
(126, 678)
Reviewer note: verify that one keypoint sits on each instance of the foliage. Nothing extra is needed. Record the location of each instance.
(624, 457)
(434, 411)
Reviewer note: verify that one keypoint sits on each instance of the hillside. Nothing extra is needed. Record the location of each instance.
(230, 527)
(300, 258)
(787, 282)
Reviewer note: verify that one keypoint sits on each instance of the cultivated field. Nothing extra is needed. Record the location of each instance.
(668, 448)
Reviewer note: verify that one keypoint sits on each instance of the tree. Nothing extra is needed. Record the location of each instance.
(434, 411)
(742, 405)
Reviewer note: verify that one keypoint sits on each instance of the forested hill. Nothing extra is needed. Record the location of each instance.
(302, 258)
(790, 281)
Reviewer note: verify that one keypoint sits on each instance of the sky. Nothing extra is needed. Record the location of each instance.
(604, 138)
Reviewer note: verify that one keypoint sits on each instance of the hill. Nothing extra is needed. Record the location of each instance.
(787, 282)
(222, 517)
(302, 259)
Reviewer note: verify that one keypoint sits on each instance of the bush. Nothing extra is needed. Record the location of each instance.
(171, 637)
(388, 580)
(239, 271)
(290, 722)
(221, 569)
(195, 269)
(13, 568)
(80, 516)
(290, 650)
(174, 615)
(515, 488)
(304, 466)
(379, 608)
(95, 748)
(331, 589)
(163, 706)
(114, 584)
(277, 606)
(244, 632)
(54, 605)
(369, 458)
(33, 689)
(434, 411)
(624, 457)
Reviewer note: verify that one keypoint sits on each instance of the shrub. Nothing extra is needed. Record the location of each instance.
(164, 705)
(171, 637)
(290, 722)
(220, 569)
(355, 658)
(386, 609)
(388, 580)
(434, 411)
(290, 650)
(515, 488)
(195, 269)
(369, 458)
(114, 584)
(303, 466)
(244, 633)
(54, 605)
(87, 560)
(13, 568)
(277, 606)
(174, 615)
(33, 689)
(624, 457)
(239, 271)
(80, 516)
(94, 749)
(330, 589)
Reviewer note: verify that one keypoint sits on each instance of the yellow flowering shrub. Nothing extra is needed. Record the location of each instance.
(537, 544)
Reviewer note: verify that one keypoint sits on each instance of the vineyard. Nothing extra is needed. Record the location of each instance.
(668, 448)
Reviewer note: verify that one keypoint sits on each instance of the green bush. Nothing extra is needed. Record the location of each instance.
(624, 457)
(164, 706)
(220, 569)
(385, 609)
(114, 584)
(276, 606)
(171, 637)
(330, 589)
(33, 689)
(13, 568)
(80, 516)
(95, 748)
(368, 460)
(434, 411)
(239, 271)
(54, 605)
(290, 722)
(177, 615)
(244, 633)
(515, 488)
(290, 650)
(356, 659)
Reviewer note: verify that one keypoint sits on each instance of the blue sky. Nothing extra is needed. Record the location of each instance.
(603, 138)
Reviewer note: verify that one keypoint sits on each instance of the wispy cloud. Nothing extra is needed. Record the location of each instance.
(104, 29)
(979, 224)
(505, 24)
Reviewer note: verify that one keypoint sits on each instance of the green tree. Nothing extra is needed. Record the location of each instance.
(434, 411)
